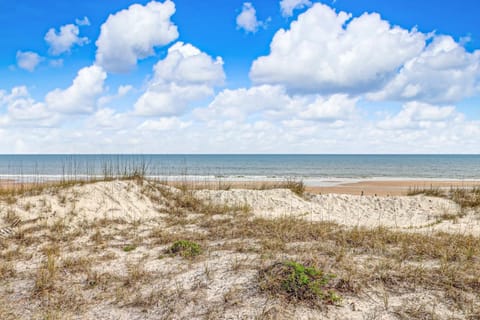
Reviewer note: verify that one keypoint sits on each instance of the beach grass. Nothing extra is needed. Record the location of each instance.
(466, 197)
(166, 266)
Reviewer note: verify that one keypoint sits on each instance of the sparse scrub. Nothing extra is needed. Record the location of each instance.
(298, 283)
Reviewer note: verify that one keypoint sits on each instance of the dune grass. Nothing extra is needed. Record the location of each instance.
(264, 268)
(465, 197)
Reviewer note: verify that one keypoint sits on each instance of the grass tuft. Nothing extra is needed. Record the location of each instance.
(129, 247)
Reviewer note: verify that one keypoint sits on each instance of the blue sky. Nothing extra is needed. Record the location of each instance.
(290, 76)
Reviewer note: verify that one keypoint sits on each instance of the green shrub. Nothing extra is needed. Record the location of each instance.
(185, 248)
(298, 282)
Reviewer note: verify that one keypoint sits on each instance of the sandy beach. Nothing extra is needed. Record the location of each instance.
(391, 187)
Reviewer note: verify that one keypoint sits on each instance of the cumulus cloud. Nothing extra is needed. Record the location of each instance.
(133, 33)
(82, 95)
(108, 118)
(443, 73)
(287, 6)
(63, 40)
(28, 60)
(22, 110)
(121, 92)
(329, 52)
(185, 75)
(247, 19)
(415, 115)
(326, 52)
(336, 107)
(242, 102)
(164, 124)
(273, 102)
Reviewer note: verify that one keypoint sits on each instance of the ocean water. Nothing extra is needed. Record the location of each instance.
(313, 169)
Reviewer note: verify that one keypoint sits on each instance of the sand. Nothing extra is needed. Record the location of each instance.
(125, 200)
(419, 213)
(222, 283)
(391, 187)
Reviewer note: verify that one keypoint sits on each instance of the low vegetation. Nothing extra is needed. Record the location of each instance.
(231, 263)
(185, 248)
(465, 197)
(298, 283)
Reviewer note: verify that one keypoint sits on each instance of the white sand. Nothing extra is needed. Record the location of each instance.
(200, 286)
(125, 200)
(401, 212)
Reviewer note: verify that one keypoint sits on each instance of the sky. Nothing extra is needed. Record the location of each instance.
(217, 76)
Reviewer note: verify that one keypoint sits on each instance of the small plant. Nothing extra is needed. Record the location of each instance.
(129, 247)
(46, 274)
(296, 186)
(185, 248)
(298, 282)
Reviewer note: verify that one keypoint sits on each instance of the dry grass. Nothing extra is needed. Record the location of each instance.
(465, 197)
(297, 282)
(112, 267)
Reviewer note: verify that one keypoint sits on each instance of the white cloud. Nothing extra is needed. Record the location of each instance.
(184, 76)
(326, 52)
(273, 102)
(121, 92)
(336, 107)
(82, 22)
(415, 115)
(164, 124)
(82, 95)
(107, 118)
(240, 103)
(22, 110)
(169, 99)
(133, 33)
(63, 41)
(247, 19)
(443, 73)
(287, 6)
(187, 65)
(28, 60)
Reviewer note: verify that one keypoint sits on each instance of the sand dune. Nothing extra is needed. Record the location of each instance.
(100, 251)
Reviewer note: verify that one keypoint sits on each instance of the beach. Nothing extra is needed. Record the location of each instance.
(391, 187)
(136, 248)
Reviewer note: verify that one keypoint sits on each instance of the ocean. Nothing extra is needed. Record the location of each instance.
(312, 169)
